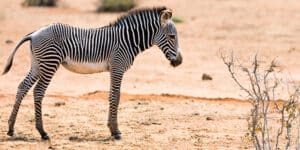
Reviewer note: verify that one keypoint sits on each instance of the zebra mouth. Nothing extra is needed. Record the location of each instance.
(177, 61)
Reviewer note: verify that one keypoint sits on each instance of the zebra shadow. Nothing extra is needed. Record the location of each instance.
(23, 142)
(90, 139)
(25, 138)
(22, 138)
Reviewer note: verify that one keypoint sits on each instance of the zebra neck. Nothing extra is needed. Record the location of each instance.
(139, 38)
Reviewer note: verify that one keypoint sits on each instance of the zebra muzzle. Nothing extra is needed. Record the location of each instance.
(177, 61)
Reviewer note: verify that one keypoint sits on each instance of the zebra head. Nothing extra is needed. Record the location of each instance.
(167, 40)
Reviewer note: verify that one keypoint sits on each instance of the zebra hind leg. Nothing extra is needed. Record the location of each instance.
(39, 92)
(23, 88)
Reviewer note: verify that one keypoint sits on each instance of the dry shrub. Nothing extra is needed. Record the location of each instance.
(116, 5)
(49, 3)
(272, 124)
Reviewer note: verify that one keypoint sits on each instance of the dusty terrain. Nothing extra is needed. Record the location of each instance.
(147, 122)
(154, 119)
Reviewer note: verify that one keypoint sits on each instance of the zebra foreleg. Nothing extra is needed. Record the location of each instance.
(23, 88)
(114, 97)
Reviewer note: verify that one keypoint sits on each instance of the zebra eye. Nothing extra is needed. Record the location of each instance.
(172, 36)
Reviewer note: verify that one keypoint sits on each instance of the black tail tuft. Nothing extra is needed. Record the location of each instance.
(7, 67)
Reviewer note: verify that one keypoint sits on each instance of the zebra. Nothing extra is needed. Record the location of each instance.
(110, 48)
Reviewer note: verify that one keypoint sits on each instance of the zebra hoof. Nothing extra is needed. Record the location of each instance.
(10, 133)
(117, 137)
(45, 138)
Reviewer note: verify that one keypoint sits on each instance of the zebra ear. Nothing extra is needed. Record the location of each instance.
(165, 16)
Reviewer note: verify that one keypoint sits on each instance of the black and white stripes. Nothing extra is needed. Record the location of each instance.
(110, 48)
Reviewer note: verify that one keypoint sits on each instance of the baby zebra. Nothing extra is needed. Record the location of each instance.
(110, 48)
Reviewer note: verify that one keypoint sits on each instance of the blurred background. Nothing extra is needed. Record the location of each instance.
(205, 28)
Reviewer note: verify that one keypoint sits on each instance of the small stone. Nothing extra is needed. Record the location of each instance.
(9, 41)
(156, 123)
(146, 123)
(142, 103)
(57, 104)
(73, 138)
(206, 77)
(196, 114)
(51, 147)
(209, 118)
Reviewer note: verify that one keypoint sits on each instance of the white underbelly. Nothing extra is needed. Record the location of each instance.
(85, 68)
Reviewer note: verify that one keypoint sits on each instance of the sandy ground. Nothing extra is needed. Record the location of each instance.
(146, 121)
(153, 119)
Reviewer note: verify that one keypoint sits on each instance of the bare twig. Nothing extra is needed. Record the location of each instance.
(261, 93)
(229, 65)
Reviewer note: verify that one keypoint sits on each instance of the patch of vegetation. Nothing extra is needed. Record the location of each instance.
(177, 20)
(49, 3)
(116, 5)
(262, 86)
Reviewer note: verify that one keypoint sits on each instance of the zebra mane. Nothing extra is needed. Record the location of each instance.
(136, 12)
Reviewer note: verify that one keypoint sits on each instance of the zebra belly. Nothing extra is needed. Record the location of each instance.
(86, 68)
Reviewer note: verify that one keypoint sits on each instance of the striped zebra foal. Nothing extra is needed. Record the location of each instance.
(110, 48)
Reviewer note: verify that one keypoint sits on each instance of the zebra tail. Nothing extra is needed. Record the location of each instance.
(11, 57)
